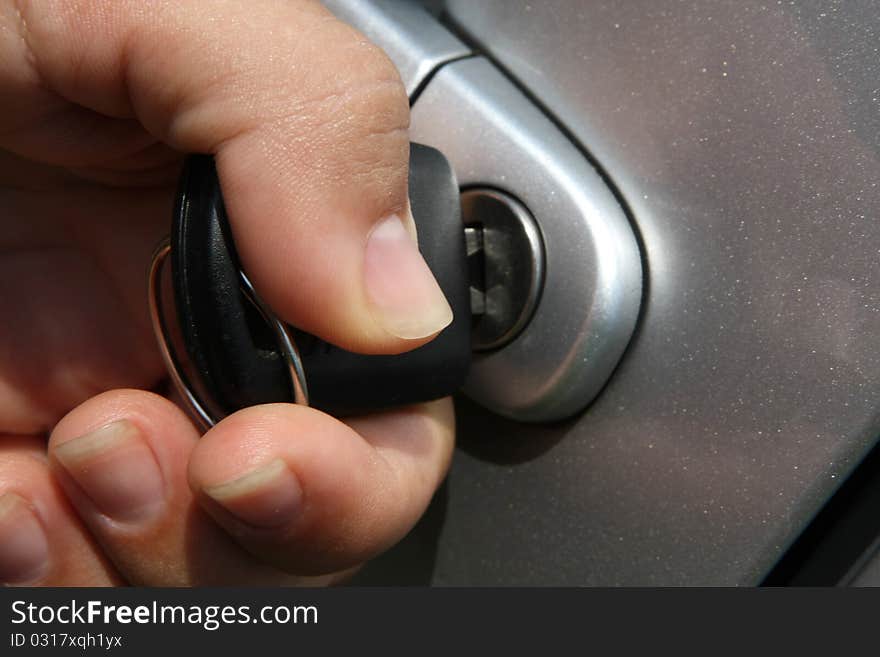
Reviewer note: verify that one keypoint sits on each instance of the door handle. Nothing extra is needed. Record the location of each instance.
(496, 138)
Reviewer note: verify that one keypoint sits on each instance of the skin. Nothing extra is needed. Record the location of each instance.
(308, 123)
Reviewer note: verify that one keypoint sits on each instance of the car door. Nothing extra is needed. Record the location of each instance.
(741, 143)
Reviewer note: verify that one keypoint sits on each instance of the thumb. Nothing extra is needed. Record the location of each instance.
(309, 125)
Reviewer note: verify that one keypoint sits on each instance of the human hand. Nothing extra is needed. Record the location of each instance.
(308, 124)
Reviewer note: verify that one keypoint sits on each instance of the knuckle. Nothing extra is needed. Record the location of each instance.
(353, 126)
(355, 87)
(358, 103)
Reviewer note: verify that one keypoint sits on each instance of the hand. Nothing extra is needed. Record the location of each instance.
(308, 123)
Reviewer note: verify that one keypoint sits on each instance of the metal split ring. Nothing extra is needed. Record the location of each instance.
(196, 406)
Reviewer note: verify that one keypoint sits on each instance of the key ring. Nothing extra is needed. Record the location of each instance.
(196, 406)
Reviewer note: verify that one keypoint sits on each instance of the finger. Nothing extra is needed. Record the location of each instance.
(42, 542)
(121, 460)
(309, 125)
(310, 494)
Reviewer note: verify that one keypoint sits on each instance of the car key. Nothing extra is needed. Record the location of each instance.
(240, 354)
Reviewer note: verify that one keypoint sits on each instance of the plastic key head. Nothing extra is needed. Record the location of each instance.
(241, 355)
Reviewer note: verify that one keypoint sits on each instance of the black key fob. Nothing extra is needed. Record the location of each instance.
(240, 354)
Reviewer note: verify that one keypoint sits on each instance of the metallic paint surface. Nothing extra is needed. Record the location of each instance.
(745, 138)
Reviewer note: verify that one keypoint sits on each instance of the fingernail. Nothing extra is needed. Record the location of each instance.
(116, 469)
(405, 296)
(24, 548)
(267, 496)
